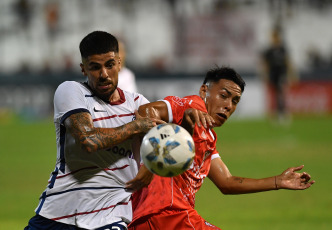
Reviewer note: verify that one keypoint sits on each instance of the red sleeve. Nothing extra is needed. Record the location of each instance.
(178, 106)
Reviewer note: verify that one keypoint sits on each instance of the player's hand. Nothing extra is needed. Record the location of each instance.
(142, 179)
(192, 116)
(145, 123)
(290, 179)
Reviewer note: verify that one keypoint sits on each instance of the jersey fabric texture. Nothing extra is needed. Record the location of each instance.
(87, 189)
(178, 193)
(173, 220)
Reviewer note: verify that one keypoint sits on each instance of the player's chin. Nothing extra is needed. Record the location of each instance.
(218, 124)
(106, 94)
(219, 121)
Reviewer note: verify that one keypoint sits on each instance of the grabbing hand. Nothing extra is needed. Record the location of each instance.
(145, 123)
(142, 179)
(192, 116)
(290, 179)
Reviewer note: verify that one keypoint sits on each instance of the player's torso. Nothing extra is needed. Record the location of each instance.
(90, 183)
(191, 181)
(104, 115)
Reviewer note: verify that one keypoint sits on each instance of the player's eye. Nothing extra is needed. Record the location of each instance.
(223, 96)
(110, 64)
(94, 67)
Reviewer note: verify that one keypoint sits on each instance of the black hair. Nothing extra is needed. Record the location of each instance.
(214, 75)
(98, 42)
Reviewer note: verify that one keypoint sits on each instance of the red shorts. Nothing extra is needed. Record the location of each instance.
(172, 220)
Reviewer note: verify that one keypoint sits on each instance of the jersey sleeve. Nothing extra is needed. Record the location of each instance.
(215, 155)
(68, 99)
(176, 107)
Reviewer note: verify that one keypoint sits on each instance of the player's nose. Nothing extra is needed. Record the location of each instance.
(103, 73)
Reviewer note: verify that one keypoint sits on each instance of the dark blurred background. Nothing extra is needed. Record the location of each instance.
(170, 45)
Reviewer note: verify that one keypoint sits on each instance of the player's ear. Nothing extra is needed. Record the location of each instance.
(203, 91)
(120, 63)
(83, 69)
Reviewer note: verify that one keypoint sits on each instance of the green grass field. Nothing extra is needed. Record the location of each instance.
(249, 148)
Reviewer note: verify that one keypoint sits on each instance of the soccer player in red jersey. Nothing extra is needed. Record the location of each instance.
(169, 202)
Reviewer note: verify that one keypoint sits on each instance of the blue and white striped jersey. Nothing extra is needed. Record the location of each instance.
(87, 189)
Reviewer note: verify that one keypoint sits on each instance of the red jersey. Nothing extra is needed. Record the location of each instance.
(179, 192)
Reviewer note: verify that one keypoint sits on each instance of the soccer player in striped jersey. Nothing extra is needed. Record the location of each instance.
(169, 202)
(95, 126)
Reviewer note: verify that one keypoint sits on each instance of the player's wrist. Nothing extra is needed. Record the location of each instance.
(277, 187)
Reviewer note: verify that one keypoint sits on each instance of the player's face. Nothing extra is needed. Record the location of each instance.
(102, 72)
(221, 99)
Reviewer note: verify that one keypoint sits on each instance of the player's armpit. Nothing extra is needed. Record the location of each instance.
(157, 109)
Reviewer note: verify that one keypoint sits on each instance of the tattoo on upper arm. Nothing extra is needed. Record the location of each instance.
(80, 125)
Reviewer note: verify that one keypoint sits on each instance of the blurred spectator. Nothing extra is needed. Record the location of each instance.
(315, 58)
(23, 10)
(278, 73)
(52, 18)
(127, 79)
(68, 63)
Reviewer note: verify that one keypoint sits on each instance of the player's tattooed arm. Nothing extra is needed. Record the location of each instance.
(92, 139)
(238, 179)
(229, 184)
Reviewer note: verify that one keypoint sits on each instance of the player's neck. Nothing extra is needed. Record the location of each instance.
(115, 96)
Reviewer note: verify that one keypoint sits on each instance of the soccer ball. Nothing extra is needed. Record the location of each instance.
(167, 150)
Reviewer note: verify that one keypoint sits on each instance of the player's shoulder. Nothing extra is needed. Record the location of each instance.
(195, 101)
(128, 94)
(72, 87)
(187, 101)
(194, 98)
(135, 97)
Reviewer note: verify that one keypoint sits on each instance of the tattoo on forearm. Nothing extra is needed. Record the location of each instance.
(81, 127)
(239, 179)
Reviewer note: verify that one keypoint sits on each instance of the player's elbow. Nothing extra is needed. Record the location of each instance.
(89, 145)
(225, 190)
(88, 148)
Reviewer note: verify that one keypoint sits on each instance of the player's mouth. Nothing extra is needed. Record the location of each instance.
(222, 116)
(104, 86)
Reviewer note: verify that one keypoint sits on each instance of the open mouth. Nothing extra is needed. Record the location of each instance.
(222, 115)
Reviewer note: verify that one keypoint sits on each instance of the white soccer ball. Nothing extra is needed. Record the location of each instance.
(167, 150)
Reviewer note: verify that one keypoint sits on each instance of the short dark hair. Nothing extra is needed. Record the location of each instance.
(98, 42)
(214, 75)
